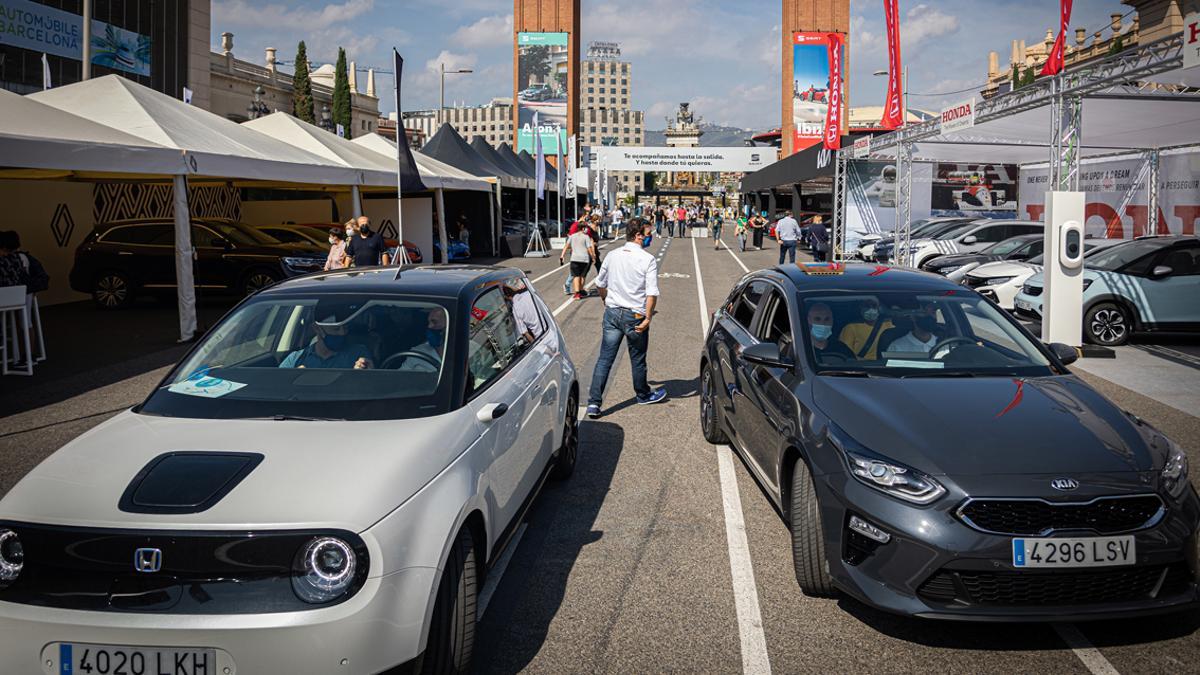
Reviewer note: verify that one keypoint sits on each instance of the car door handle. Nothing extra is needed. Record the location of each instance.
(491, 412)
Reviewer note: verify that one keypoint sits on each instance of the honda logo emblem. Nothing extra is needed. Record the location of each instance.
(147, 560)
(1064, 484)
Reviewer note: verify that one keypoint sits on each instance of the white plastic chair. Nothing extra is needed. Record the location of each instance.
(15, 315)
(36, 319)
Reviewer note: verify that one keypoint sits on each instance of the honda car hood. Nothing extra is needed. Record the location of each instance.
(1004, 268)
(343, 475)
(988, 425)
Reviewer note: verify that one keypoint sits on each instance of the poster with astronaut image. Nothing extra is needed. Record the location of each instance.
(872, 194)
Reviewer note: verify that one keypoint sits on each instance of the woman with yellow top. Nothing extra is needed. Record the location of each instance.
(862, 337)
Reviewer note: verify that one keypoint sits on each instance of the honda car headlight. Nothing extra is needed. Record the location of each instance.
(997, 281)
(894, 479)
(1086, 283)
(1175, 471)
(324, 570)
(948, 270)
(12, 557)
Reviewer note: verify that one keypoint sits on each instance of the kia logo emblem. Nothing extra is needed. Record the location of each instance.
(1064, 484)
(147, 560)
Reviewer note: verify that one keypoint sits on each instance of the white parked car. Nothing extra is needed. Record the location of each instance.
(969, 238)
(1001, 281)
(318, 487)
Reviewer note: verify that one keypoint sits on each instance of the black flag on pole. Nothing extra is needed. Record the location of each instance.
(409, 179)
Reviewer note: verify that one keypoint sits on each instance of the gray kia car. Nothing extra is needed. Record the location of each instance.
(933, 459)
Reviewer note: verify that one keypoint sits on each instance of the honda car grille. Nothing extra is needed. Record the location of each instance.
(1023, 517)
(1031, 290)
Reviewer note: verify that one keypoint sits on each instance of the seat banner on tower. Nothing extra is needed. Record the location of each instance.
(810, 88)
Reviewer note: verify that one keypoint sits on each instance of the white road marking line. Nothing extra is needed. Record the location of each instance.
(755, 659)
(562, 266)
(497, 573)
(738, 260)
(1092, 659)
(568, 301)
(745, 593)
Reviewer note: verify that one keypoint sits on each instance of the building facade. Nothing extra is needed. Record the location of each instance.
(493, 121)
(168, 42)
(241, 89)
(606, 116)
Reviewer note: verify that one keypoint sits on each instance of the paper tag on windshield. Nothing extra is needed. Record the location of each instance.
(207, 387)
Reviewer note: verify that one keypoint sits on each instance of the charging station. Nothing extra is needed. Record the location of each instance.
(1062, 306)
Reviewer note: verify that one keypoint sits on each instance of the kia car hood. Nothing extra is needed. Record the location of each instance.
(344, 475)
(988, 425)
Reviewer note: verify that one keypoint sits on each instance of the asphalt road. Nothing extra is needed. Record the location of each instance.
(662, 554)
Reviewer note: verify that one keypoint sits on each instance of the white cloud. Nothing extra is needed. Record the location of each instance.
(490, 31)
(244, 13)
(923, 22)
(862, 39)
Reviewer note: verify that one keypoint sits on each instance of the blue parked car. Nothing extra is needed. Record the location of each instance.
(458, 250)
(1144, 285)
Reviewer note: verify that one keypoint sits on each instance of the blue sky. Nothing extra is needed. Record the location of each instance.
(724, 56)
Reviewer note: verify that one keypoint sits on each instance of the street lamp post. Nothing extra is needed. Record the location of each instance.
(904, 92)
(326, 122)
(257, 108)
(442, 87)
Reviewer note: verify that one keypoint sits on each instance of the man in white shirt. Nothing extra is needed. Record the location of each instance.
(787, 233)
(628, 283)
(923, 336)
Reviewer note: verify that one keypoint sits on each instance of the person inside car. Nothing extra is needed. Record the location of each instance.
(923, 335)
(862, 337)
(431, 347)
(820, 323)
(329, 350)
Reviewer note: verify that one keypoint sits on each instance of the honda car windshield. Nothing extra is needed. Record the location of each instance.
(325, 357)
(1114, 258)
(911, 334)
(954, 230)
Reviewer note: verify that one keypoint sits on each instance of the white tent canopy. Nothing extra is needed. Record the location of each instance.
(375, 169)
(214, 146)
(37, 136)
(434, 174)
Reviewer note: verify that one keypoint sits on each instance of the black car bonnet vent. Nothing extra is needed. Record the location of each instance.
(186, 482)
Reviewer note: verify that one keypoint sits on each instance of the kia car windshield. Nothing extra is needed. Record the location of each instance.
(910, 334)
(329, 357)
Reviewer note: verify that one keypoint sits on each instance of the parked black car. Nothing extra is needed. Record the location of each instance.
(120, 260)
(961, 471)
(1018, 248)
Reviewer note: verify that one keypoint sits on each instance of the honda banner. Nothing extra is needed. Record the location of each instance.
(1111, 210)
(1054, 63)
(893, 109)
(959, 116)
(1191, 40)
(833, 114)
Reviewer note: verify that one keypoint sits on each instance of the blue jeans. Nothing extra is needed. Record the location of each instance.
(787, 248)
(618, 324)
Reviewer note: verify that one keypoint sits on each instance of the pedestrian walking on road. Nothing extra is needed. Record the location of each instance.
(787, 233)
(364, 247)
(739, 231)
(628, 283)
(583, 252)
(716, 229)
(660, 218)
(681, 220)
(820, 239)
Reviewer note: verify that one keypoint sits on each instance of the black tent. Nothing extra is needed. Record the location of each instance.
(479, 212)
(448, 147)
(551, 175)
(506, 153)
(487, 152)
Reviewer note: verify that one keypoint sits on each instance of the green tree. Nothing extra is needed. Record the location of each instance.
(533, 64)
(341, 94)
(1030, 76)
(1016, 77)
(302, 98)
(1117, 45)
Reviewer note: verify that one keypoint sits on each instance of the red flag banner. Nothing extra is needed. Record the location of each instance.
(893, 109)
(833, 113)
(1054, 64)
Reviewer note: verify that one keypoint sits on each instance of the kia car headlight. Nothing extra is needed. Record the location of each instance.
(893, 478)
(1175, 471)
(12, 557)
(324, 570)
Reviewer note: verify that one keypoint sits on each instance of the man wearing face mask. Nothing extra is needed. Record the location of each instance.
(329, 350)
(364, 247)
(820, 324)
(923, 336)
(435, 342)
(862, 337)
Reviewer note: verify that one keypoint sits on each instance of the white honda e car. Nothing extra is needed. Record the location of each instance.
(320, 486)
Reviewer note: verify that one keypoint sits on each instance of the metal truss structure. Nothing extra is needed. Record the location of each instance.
(1121, 76)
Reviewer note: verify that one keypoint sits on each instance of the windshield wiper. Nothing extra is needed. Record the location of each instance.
(293, 418)
(938, 373)
(846, 373)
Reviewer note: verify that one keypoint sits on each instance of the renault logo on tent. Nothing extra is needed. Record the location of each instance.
(62, 225)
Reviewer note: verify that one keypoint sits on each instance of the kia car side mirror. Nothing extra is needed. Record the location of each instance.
(1065, 353)
(766, 354)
